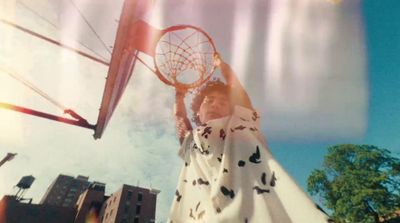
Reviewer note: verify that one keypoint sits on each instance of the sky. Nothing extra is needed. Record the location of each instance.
(320, 74)
(382, 30)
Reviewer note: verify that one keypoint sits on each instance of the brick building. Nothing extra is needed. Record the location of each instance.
(90, 202)
(130, 205)
(13, 211)
(65, 190)
(66, 201)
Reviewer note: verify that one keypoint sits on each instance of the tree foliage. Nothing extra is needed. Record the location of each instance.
(359, 183)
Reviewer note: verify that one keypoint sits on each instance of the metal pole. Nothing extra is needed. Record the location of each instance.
(82, 122)
(54, 42)
(8, 157)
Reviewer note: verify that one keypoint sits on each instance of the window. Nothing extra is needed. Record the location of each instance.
(136, 220)
(138, 207)
(126, 209)
(73, 189)
(129, 196)
(140, 196)
(67, 202)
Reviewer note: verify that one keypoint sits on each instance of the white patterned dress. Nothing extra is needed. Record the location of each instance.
(230, 176)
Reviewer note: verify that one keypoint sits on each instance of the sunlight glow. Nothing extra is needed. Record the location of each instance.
(316, 65)
(92, 217)
(11, 128)
(242, 32)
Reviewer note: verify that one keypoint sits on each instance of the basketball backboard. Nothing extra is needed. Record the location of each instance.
(121, 66)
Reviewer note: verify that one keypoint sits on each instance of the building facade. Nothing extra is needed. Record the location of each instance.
(130, 205)
(65, 190)
(14, 211)
(90, 203)
(76, 200)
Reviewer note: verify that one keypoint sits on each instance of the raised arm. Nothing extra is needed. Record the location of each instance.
(182, 122)
(239, 95)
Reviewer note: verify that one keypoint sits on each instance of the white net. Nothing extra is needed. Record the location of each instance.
(184, 57)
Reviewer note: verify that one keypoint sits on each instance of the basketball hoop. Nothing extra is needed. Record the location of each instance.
(184, 57)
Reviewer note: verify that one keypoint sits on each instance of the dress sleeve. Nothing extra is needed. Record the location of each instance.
(185, 146)
(246, 114)
(245, 118)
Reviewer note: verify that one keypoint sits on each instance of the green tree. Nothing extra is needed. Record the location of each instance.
(359, 183)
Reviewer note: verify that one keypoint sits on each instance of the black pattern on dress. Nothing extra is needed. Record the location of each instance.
(254, 129)
(220, 158)
(207, 131)
(240, 127)
(222, 134)
(260, 190)
(191, 214)
(178, 196)
(255, 157)
(202, 182)
(264, 178)
(255, 116)
(243, 119)
(229, 193)
(273, 180)
(201, 149)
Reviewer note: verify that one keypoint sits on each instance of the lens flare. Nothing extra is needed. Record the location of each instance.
(92, 217)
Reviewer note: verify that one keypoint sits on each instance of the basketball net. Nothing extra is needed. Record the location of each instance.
(184, 57)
